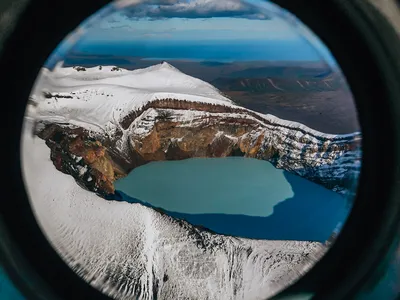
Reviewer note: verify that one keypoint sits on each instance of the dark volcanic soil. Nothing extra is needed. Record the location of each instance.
(329, 112)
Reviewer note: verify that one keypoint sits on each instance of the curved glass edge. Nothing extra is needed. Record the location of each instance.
(385, 284)
(7, 289)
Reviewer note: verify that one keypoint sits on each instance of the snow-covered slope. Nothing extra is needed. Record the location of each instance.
(127, 249)
(158, 78)
(108, 121)
(99, 97)
(102, 96)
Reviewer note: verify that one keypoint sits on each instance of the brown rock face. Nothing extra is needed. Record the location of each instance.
(171, 140)
(87, 160)
(176, 130)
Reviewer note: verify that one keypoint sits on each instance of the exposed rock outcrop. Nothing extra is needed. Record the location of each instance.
(168, 129)
(74, 152)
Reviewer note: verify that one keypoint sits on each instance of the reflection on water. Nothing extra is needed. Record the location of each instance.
(238, 196)
(7, 289)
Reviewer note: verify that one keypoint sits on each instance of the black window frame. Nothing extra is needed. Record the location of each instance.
(367, 49)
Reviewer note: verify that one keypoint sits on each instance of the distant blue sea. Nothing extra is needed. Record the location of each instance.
(237, 196)
(227, 51)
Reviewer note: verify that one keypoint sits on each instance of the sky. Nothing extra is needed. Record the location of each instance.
(254, 23)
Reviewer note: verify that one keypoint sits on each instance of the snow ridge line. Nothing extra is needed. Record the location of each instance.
(170, 103)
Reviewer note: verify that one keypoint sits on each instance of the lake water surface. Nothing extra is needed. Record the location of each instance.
(237, 196)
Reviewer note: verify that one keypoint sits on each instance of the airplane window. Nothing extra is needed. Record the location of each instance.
(191, 149)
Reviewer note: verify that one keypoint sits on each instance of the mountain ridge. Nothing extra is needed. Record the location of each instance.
(95, 134)
(133, 126)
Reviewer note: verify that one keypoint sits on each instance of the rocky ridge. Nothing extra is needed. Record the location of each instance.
(100, 124)
(170, 129)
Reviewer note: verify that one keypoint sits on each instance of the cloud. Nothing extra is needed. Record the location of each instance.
(116, 21)
(157, 35)
(126, 3)
(161, 9)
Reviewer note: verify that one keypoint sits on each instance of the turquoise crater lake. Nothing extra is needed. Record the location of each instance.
(237, 196)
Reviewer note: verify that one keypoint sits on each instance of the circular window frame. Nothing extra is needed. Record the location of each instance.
(366, 47)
